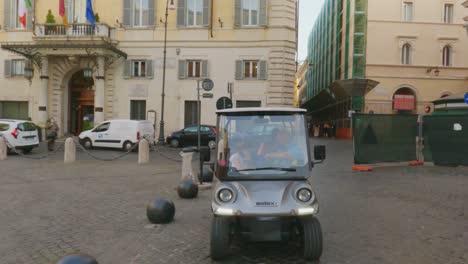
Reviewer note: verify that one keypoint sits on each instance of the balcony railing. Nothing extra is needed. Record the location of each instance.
(73, 30)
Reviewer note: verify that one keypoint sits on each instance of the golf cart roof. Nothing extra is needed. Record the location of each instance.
(262, 109)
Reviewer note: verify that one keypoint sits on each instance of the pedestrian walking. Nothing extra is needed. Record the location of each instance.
(52, 133)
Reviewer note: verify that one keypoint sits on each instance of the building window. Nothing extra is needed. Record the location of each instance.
(407, 11)
(193, 69)
(250, 69)
(139, 69)
(447, 56)
(250, 12)
(140, 13)
(448, 13)
(406, 54)
(14, 110)
(195, 13)
(245, 103)
(138, 110)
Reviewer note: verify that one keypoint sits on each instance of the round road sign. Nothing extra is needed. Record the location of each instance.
(207, 85)
(223, 103)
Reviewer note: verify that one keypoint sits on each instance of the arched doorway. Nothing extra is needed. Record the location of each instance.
(81, 98)
(404, 101)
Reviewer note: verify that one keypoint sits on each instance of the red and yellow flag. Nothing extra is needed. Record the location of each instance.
(62, 12)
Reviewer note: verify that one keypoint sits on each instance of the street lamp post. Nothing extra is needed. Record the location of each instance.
(163, 94)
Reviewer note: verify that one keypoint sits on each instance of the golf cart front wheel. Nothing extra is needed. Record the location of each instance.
(220, 237)
(312, 238)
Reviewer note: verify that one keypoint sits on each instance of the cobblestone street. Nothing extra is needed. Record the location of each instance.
(392, 215)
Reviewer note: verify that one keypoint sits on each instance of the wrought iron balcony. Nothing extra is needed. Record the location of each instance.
(76, 30)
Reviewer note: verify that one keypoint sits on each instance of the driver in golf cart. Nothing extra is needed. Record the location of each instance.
(280, 149)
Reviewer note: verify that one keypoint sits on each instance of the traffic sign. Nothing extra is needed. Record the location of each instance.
(466, 98)
(207, 85)
(207, 95)
(223, 103)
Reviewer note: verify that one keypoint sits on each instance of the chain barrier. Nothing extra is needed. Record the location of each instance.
(159, 150)
(105, 159)
(32, 157)
(164, 155)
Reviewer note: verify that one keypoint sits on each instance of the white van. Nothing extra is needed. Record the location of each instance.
(123, 134)
(20, 134)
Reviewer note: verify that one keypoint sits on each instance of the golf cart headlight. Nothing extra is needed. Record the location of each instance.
(225, 195)
(304, 195)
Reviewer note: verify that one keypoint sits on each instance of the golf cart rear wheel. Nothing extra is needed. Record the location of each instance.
(220, 237)
(312, 238)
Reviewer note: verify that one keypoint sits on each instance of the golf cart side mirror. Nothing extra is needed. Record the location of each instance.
(320, 152)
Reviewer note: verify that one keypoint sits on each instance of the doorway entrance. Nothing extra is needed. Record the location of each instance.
(81, 100)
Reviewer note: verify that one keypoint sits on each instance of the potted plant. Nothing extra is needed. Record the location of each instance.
(50, 27)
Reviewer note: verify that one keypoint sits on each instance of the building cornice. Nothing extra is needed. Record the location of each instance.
(415, 23)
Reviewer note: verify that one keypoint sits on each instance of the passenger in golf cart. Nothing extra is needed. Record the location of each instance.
(262, 191)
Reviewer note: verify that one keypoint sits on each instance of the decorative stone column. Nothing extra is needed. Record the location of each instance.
(44, 92)
(43, 95)
(99, 93)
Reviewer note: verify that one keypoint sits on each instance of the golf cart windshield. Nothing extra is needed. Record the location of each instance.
(262, 145)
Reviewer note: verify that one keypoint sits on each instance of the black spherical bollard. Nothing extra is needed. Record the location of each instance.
(187, 189)
(207, 174)
(78, 259)
(160, 211)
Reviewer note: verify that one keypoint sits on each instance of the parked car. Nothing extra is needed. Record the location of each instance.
(189, 136)
(122, 134)
(21, 134)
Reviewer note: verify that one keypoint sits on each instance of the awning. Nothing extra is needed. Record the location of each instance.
(34, 51)
(340, 91)
(352, 87)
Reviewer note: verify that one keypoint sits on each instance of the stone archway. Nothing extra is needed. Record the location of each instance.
(62, 70)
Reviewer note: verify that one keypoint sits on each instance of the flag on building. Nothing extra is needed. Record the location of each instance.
(62, 12)
(23, 6)
(90, 13)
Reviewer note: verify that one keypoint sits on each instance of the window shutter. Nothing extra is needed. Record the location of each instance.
(7, 69)
(151, 13)
(149, 69)
(127, 69)
(239, 70)
(263, 13)
(6, 14)
(204, 69)
(181, 13)
(238, 13)
(182, 69)
(128, 14)
(206, 12)
(30, 17)
(262, 70)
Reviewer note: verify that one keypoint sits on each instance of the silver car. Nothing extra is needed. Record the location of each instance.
(261, 190)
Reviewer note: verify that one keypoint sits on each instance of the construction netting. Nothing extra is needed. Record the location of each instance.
(446, 139)
(384, 138)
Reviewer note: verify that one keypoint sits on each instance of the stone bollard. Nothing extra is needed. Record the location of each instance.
(3, 149)
(143, 151)
(70, 151)
(186, 166)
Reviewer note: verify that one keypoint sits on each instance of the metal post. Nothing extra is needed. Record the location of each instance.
(161, 124)
(230, 90)
(200, 176)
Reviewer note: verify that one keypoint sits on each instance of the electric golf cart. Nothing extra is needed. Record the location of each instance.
(261, 191)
